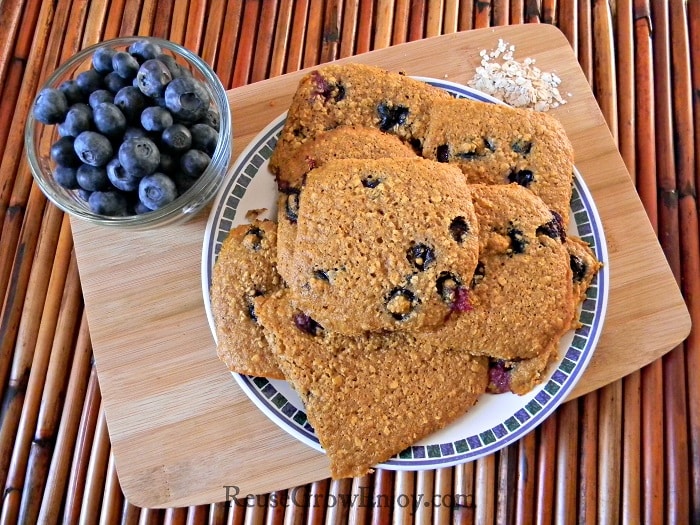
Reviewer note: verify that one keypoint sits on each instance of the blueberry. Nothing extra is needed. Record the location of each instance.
(72, 91)
(93, 178)
(172, 65)
(322, 275)
(421, 256)
(113, 82)
(443, 153)
(499, 377)
(187, 99)
(93, 149)
(459, 228)
(131, 102)
(152, 78)
(401, 302)
(63, 153)
(157, 190)
(554, 228)
(212, 118)
(109, 120)
(119, 178)
(156, 119)
(108, 203)
(143, 50)
(65, 177)
(252, 239)
(291, 205)
(177, 138)
(194, 162)
(102, 59)
(390, 116)
(370, 181)
(447, 286)
(306, 324)
(517, 240)
(89, 81)
(327, 91)
(140, 208)
(78, 119)
(578, 268)
(489, 144)
(139, 156)
(84, 194)
(248, 298)
(522, 146)
(183, 181)
(125, 65)
(50, 106)
(99, 96)
(479, 274)
(522, 177)
(204, 138)
(168, 164)
(132, 132)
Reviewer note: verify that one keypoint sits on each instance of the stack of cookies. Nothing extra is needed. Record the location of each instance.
(419, 260)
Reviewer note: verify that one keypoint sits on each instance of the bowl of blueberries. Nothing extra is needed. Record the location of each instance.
(132, 132)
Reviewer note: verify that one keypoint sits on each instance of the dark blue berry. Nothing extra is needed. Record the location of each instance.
(522, 177)
(459, 228)
(168, 164)
(421, 256)
(447, 285)
(306, 324)
(177, 138)
(143, 50)
(113, 82)
(156, 119)
(131, 102)
(120, 178)
(93, 148)
(327, 91)
(152, 78)
(391, 116)
(125, 65)
(139, 156)
(172, 65)
(132, 132)
(102, 59)
(157, 190)
(251, 305)
(110, 203)
(99, 96)
(322, 275)
(65, 177)
(93, 178)
(522, 146)
(371, 181)
(194, 162)
(109, 120)
(182, 181)
(50, 106)
(554, 228)
(578, 268)
(252, 239)
(212, 118)
(443, 153)
(479, 274)
(72, 91)
(401, 302)
(63, 153)
(204, 138)
(291, 205)
(517, 240)
(89, 81)
(78, 119)
(84, 194)
(187, 99)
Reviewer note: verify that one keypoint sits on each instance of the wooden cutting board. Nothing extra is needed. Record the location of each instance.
(180, 427)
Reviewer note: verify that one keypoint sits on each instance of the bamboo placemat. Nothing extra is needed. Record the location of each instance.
(629, 452)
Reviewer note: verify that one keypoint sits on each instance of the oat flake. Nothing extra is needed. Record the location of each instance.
(520, 84)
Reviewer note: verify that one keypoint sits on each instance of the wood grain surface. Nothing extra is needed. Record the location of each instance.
(180, 427)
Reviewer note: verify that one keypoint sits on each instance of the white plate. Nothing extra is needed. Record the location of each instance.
(496, 420)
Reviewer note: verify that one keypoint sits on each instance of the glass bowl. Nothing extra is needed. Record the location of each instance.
(39, 137)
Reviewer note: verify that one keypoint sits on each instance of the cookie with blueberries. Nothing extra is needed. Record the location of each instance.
(245, 269)
(355, 95)
(388, 244)
(497, 144)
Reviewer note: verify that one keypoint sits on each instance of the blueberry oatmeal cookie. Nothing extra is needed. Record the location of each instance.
(495, 144)
(369, 396)
(245, 269)
(386, 244)
(355, 95)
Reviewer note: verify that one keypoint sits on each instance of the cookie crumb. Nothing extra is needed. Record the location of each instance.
(518, 83)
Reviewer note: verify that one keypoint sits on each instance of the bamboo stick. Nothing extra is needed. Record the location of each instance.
(162, 19)
(588, 485)
(482, 14)
(331, 31)
(246, 47)
(443, 498)
(609, 453)
(624, 46)
(96, 472)
(295, 512)
(197, 514)
(548, 13)
(212, 35)
(546, 464)
(130, 18)
(113, 20)
(517, 12)
(94, 24)
(296, 41)
(422, 484)
(10, 16)
(585, 38)
(68, 429)
(484, 494)
(631, 450)
(10, 95)
(527, 464)
(359, 509)
(383, 24)
(197, 24)
(318, 495)
(217, 514)
(568, 22)
(506, 494)
(532, 11)
(130, 514)
(81, 451)
(433, 23)
(282, 32)
(364, 27)
(178, 21)
(566, 463)
(451, 18)
(348, 33)
(148, 11)
(416, 20)
(605, 74)
(338, 505)
(501, 12)
(464, 493)
(466, 15)
(382, 496)
(112, 499)
(175, 516)
(263, 43)
(314, 22)
(402, 11)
